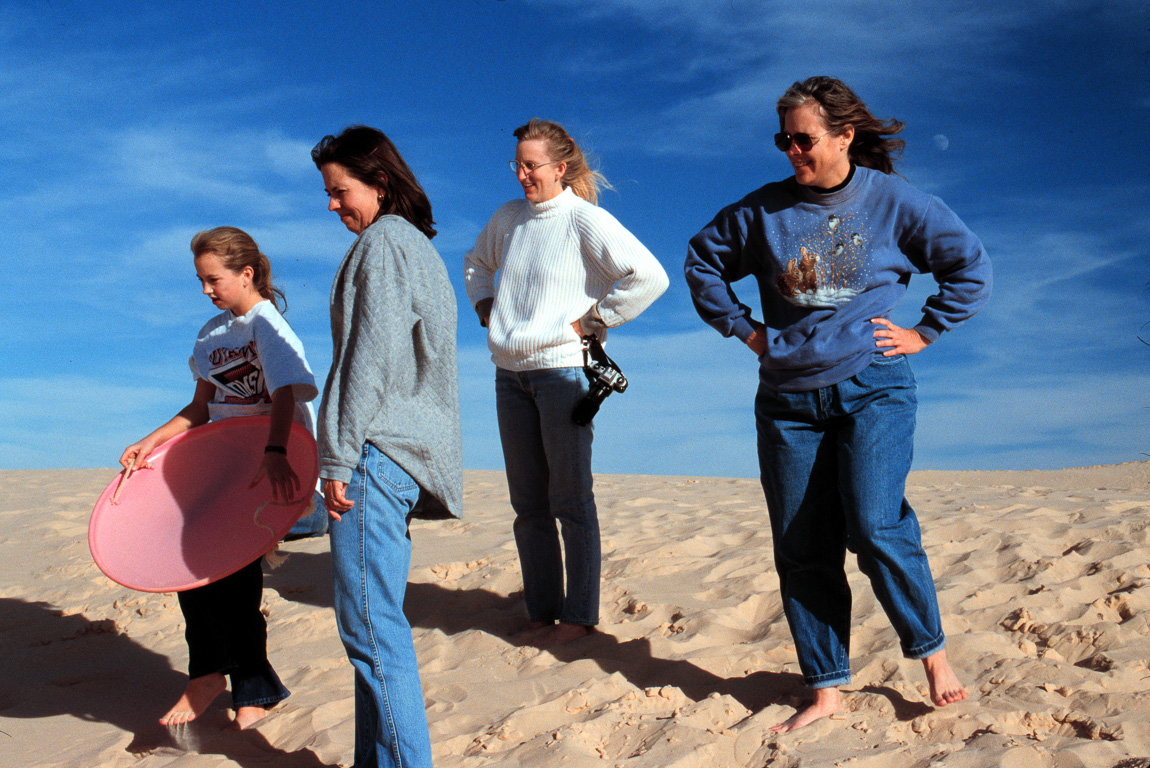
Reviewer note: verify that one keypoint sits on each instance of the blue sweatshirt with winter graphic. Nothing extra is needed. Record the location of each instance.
(826, 264)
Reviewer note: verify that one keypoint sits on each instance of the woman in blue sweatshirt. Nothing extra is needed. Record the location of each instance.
(833, 248)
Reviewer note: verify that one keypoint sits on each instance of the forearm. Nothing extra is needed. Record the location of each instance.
(480, 265)
(341, 426)
(715, 261)
(961, 267)
(479, 283)
(635, 276)
(716, 303)
(192, 415)
(632, 294)
(282, 415)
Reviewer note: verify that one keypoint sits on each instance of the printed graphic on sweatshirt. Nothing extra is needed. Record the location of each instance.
(830, 268)
(237, 372)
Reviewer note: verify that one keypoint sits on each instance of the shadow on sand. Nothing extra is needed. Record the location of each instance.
(306, 578)
(454, 611)
(53, 664)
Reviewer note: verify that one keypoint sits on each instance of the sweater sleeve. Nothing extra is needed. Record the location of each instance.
(636, 276)
(482, 262)
(715, 259)
(371, 312)
(960, 265)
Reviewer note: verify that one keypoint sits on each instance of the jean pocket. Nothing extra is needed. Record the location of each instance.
(387, 471)
(880, 359)
(886, 372)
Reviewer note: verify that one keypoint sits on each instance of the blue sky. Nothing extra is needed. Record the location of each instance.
(128, 127)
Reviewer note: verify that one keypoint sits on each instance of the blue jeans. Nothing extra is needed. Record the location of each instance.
(833, 464)
(548, 459)
(315, 523)
(227, 633)
(370, 558)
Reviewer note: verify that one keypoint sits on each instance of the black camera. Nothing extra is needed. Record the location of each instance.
(605, 377)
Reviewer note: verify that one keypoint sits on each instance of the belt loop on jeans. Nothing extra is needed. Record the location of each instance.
(824, 396)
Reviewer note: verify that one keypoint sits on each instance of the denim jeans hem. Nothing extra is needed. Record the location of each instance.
(264, 702)
(257, 689)
(926, 649)
(828, 679)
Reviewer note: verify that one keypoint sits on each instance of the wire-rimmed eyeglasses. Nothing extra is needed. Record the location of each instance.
(529, 166)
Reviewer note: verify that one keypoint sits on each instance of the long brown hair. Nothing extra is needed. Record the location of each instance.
(839, 107)
(579, 176)
(236, 249)
(368, 155)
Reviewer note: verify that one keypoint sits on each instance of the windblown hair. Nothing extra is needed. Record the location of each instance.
(840, 107)
(236, 249)
(579, 176)
(368, 155)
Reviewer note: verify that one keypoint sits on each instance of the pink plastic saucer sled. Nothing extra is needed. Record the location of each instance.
(191, 519)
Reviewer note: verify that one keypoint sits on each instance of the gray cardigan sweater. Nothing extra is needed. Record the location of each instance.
(394, 381)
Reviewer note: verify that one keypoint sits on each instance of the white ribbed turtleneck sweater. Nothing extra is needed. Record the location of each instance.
(558, 261)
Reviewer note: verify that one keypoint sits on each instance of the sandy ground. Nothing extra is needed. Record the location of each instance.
(1042, 579)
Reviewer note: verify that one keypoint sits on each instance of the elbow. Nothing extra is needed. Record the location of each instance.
(662, 282)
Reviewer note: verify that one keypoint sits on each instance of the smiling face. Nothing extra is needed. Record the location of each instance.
(827, 163)
(356, 203)
(543, 183)
(227, 289)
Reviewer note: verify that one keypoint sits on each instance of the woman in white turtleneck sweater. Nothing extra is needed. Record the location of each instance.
(566, 268)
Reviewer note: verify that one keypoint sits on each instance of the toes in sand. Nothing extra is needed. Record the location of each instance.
(827, 702)
(561, 634)
(197, 697)
(944, 685)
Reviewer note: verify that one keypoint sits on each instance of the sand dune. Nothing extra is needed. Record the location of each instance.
(1042, 579)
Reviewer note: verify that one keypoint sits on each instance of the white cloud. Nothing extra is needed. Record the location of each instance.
(189, 163)
(82, 421)
(729, 62)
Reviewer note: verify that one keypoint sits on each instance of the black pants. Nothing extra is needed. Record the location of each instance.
(227, 633)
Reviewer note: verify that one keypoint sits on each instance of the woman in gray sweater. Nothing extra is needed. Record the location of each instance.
(389, 439)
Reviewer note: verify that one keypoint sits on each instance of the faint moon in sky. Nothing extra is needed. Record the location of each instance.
(941, 141)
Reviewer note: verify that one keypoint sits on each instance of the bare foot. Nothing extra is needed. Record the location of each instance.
(529, 634)
(827, 702)
(246, 717)
(199, 694)
(561, 634)
(944, 685)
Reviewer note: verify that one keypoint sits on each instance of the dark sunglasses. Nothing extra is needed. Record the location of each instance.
(803, 141)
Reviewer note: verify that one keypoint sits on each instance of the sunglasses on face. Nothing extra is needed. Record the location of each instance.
(803, 141)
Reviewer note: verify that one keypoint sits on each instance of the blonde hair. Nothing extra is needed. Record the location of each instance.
(580, 177)
(236, 249)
